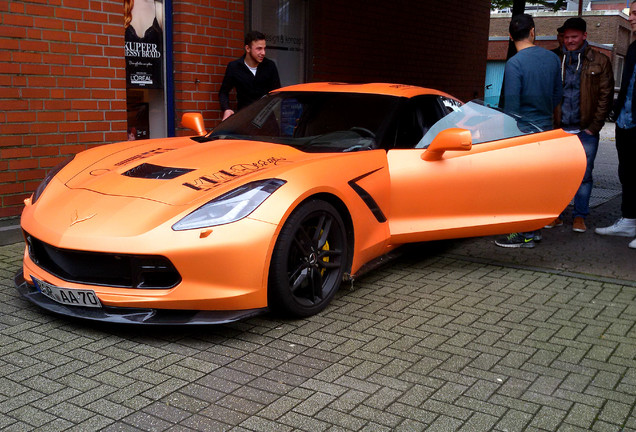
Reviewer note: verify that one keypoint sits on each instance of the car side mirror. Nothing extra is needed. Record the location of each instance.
(194, 122)
(448, 139)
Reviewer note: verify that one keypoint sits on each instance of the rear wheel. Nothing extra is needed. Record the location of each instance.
(308, 261)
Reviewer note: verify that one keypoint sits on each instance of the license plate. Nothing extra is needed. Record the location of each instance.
(67, 296)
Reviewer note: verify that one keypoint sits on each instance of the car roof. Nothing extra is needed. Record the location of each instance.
(399, 90)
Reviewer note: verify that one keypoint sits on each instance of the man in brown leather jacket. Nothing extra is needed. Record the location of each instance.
(588, 90)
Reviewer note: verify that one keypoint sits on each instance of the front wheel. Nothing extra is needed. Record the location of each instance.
(308, 261)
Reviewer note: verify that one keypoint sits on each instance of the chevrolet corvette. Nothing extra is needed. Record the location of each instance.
(279, 204)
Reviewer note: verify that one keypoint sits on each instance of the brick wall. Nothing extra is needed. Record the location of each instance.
(433, 44)
(617, 5)
(62, 69)
(207, 36)
(63, 83)
(62, 87)
(499, 49)
(601, 29)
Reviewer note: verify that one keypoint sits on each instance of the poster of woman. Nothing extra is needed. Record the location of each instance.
(143, 24)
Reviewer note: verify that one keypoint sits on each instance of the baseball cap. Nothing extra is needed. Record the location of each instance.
(573, 24)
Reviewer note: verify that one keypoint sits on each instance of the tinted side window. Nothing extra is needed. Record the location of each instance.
(314, 121)
(419, 114)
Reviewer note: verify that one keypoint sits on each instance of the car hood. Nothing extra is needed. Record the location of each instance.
(179, 171)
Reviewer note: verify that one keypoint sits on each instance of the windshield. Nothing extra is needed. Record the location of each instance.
(313, 121)
(484, 123)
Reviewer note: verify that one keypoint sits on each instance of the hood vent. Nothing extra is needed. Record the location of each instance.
(156, 172)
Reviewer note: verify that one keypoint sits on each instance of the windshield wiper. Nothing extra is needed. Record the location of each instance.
(208, 138)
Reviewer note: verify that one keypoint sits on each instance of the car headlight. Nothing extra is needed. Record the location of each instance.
(48, 178)
(230, 207)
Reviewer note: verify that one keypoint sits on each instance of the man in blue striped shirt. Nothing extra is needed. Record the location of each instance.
(532, 91)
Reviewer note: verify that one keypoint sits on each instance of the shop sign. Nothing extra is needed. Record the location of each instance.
(143, 22)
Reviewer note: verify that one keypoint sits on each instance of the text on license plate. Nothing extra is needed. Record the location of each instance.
(74, 297)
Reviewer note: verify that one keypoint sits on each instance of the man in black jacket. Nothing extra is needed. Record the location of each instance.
(252, 75)
(625, 114)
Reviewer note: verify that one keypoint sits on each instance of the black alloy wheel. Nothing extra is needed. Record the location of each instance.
(308, 261)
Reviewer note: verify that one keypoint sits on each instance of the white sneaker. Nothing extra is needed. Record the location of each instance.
(632, 244)
(622, 227)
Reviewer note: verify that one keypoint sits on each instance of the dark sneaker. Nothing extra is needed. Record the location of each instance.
(515, 240)
(537, 237)
(555, 223)
(579, 224)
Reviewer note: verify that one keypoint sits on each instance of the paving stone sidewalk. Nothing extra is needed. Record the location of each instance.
(429, 342)
(451, 336)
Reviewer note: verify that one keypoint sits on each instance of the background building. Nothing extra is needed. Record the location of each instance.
(607, 31)
(64, 85)
(605, 4)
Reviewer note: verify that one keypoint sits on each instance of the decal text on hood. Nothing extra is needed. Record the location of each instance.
(210, 181)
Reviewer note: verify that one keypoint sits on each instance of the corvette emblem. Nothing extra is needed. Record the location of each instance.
(75, 219)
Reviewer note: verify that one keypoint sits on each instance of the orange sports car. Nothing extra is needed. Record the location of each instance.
(281, 202)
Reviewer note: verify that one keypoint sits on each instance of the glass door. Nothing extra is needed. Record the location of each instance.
(283, 23)
(145, 77)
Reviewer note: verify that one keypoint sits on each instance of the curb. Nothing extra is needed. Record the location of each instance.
(10, 232)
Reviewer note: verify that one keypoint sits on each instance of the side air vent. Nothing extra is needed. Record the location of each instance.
(156, 172)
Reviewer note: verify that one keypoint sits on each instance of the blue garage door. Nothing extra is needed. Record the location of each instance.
(494, 78)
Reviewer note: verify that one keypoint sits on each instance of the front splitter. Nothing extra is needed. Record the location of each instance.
(119, 315)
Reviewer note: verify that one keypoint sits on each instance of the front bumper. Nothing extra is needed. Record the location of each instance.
(121, 315)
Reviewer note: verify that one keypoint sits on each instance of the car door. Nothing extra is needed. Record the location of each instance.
(517, 183)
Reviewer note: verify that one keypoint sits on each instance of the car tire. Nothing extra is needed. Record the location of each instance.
(308, 261)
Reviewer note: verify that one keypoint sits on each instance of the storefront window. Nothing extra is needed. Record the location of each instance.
(145, 59)
(283, 23)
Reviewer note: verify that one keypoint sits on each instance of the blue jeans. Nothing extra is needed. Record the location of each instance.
(582, 197)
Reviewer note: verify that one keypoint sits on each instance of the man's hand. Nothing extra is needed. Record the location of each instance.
(227, 113)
